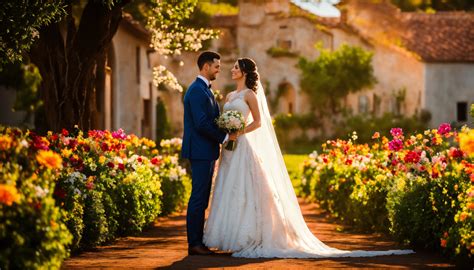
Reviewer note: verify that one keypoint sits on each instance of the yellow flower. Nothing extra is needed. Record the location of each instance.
(102, 159)
(66, 152)
(5, 142)
(8, 194)
(49, 159)
(466, 142)
(419, 136)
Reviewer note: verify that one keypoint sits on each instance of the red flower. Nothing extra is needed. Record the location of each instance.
(111, 165)
(155, 161)
(89, 185)
(64, 132)
(348, 161)
(412, 157)
(60, 193)
(54, 137)
(140, 159)
(443, 242)
(121, 166)
(104, 146)
(73, 143)
(456, 153)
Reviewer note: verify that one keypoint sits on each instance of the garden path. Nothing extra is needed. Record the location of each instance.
(163, 246)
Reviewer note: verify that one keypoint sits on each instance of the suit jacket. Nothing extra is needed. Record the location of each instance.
(201, 136)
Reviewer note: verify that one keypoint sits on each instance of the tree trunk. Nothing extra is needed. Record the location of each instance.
(69, 58)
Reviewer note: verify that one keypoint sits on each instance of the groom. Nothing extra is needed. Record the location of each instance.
(201, 141)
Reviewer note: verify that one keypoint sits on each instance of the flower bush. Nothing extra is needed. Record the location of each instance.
(32, 234)
(419, 187)
(90, 188)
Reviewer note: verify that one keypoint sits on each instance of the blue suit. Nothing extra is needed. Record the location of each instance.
(201, 141)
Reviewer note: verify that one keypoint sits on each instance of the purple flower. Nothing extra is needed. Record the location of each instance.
(395, 145)
(444, 128)
(396, 132)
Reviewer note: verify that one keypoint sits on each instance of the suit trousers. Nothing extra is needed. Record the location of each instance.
(202, 172)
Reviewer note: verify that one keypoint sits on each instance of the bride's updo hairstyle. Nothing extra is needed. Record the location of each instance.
(249, 68)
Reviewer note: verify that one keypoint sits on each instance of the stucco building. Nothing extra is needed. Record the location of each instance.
(421, 61)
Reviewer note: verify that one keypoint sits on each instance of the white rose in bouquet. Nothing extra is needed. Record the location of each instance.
(231, 121)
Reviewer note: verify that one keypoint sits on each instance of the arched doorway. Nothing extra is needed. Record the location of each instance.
(286, 98)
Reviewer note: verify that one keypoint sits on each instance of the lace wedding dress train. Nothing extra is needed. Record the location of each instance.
(254, 211)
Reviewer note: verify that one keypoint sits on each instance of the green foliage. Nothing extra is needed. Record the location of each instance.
(294, 166)
(421, 192)
(138, 196)
(283, 123)
(366, 125)
(21, 21)
(333, 75)
(281, 52)
(32, 233)
(25, 79)
(213, 9)
(441, 5)
(162, 122)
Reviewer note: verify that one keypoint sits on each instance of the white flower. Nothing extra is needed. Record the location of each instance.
(40, 192)
(163, 76)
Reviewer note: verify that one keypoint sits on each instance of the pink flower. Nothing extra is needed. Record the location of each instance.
(396, 132)
(119, 134)
(395, 145)
(444, 128)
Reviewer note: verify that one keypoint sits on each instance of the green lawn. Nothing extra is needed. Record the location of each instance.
(294, 162)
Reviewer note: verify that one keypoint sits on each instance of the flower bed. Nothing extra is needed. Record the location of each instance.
(419, 188)
(70, 191)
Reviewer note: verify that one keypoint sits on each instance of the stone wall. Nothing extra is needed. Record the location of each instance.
(446, 85)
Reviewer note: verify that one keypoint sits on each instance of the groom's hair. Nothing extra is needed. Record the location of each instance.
(207, 57)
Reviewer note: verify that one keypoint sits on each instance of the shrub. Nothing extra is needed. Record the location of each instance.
(417, 187)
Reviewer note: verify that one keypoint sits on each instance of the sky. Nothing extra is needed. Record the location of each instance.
(322, 8)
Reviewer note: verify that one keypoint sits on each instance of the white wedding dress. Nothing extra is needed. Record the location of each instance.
(254, 211)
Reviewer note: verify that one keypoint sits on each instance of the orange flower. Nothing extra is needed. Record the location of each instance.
(8, 194)
(376, 135)
(5, 142)
(443, 242)
(466, 142)
(49, 159)
(463, 216)
(470, 206)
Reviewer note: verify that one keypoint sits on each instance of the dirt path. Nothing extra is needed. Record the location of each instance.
(164, 247)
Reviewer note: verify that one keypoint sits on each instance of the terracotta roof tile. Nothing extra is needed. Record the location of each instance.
(440, 37)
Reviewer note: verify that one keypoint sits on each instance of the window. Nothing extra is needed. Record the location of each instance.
(137, 67)
(376, 104)
(290, 107)
(283, 26)
(363, 104)
(284, 44)
(461, 111)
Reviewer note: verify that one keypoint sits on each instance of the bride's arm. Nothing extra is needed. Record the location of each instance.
(251, 99)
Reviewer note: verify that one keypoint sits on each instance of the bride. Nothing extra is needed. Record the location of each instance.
(254, 210)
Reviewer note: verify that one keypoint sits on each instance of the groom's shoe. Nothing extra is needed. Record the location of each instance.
(199, 250)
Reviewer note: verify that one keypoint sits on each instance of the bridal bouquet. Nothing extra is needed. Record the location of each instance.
(231, 121)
